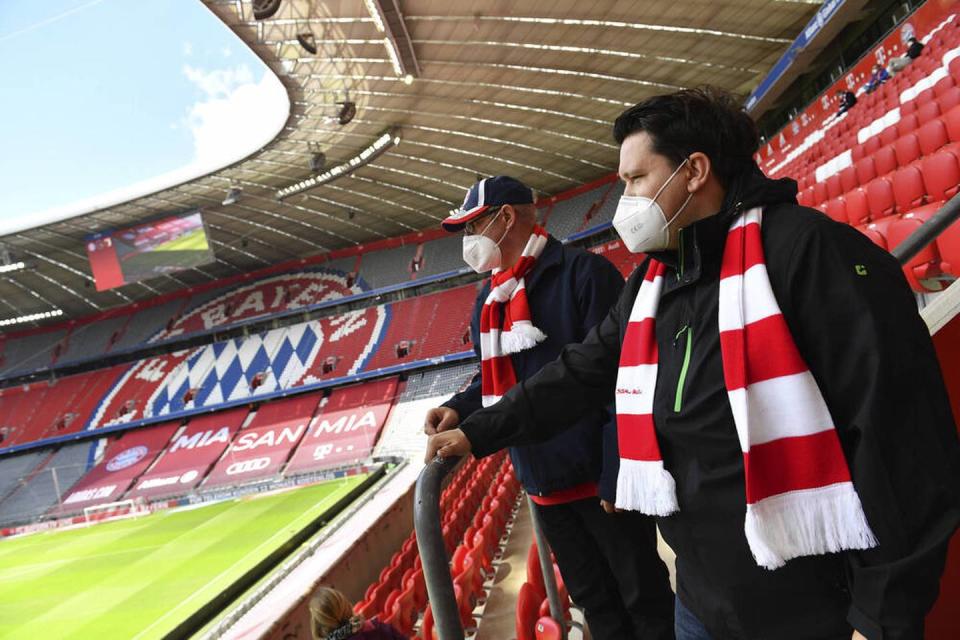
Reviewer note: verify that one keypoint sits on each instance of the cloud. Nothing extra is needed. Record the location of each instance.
(187, 49)
(236, 116)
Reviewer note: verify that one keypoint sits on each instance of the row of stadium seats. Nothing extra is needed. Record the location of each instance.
(476, 506)
(371, 270)
(892, 161)
(533, 621)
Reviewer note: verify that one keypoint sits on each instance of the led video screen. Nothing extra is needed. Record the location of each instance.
(166, 245)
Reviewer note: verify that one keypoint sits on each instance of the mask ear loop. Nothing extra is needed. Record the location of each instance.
(685, 202)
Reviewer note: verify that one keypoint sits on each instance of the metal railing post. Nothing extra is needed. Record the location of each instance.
(546, 566)
(928, 231)
(433, 551)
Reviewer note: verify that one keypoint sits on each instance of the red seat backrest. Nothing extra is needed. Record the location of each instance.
(889, 135)
(528, 608)
(948, 245)
(949, 100)
(926, 264)
(907, 124)
(932, 136)
(866, 170)
(858, 212)
(834, 188)
(908, 190)
(805, 197)
(927, 111)
(872, 144)
(943, 86)
(885, 160)
(848, 179)
(875, 236)
(819, 193)
(941, 175)
(857, 152)
(952, 122)
(907, 149)
(880, 198)
(836, 209)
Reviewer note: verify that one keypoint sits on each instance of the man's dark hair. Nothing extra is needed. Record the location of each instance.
(706, 119)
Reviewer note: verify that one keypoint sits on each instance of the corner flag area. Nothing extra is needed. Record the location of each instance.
(140, 578)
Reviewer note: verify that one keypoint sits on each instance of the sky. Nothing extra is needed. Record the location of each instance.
(105, 100)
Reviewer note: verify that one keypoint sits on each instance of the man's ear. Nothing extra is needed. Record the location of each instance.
(699, 170)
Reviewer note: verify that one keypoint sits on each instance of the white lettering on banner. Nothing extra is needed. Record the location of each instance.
(348, 323)
(202, 439)
(152, 483)
(278, 296)
(268, 438)
(345, 423)
(213, 316)
(311, 294)
(97, 493)
(253, 302)
(153, 370)
(246, 466)
(321, 451)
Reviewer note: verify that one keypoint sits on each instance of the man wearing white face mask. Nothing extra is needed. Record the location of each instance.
(779, 403)
(540, 297)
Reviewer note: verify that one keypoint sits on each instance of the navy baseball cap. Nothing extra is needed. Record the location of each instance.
(487, 194)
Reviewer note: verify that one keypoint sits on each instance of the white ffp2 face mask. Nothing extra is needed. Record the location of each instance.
(480, 252)
(641, 223)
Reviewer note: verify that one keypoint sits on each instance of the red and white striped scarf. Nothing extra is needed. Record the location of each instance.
(800, 499)
(515, 332)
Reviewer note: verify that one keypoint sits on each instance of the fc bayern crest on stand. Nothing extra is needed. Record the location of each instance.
(254, 365)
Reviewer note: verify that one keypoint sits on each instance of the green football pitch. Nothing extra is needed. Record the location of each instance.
(139, 578)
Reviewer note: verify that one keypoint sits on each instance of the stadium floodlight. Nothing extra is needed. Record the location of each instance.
(13, 266)
(386, 140)
(263, 9)
(318, 160)
(348, 109)
(43, 315)
(408, 79)
(233, 196)
(389, 21)
(308, 41)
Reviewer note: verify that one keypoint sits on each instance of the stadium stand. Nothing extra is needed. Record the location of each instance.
(14, 468)
(93, 339)
(388, 267)
(31, 352)
(144, 324)
(441, 256)
(43, 488)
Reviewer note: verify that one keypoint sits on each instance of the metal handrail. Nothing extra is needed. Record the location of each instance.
(433, 551)
(546, 567)
(928, 231)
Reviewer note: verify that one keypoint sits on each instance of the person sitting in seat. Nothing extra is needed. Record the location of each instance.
(847, 101)
(331, 618)
(913, 49)
(877, 78)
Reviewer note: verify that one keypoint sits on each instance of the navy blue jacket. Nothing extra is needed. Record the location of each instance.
(569, 290)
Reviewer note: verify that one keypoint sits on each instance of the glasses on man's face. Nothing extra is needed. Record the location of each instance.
(477, 225)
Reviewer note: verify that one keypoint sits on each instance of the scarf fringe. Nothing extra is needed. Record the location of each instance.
(646, 486)
(807, 522)
(522, 336)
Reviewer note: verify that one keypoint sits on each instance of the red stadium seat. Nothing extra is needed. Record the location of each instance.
(885, 160)
(837, 210)
(888, 135)
(858, 211)
(875, 236)
(880, 198)
(857, 152)
(908, 189)
(949, 100)
(943, 86)
(819, 193)
(925, 266)
(834, 187)
(907, 124)
(848, 179)
(907, 149)
(528, 609)
(908, 108)
(948, 244)
(866, 170)
(941, 175)
(548, 629)
(805, 197)
(872, 145)
(927, 111)
(932, 136)
(952, 122)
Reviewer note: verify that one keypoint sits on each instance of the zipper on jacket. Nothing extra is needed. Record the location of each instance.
(678, 399)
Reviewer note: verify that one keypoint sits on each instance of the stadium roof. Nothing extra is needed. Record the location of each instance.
(525, 88)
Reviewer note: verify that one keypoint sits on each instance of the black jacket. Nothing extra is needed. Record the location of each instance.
(569, 291)
(855, 321)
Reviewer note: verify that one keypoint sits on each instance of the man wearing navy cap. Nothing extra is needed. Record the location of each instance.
(540, 297)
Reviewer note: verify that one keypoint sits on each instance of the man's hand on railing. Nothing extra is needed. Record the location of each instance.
(440, 419)
(447, 444)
